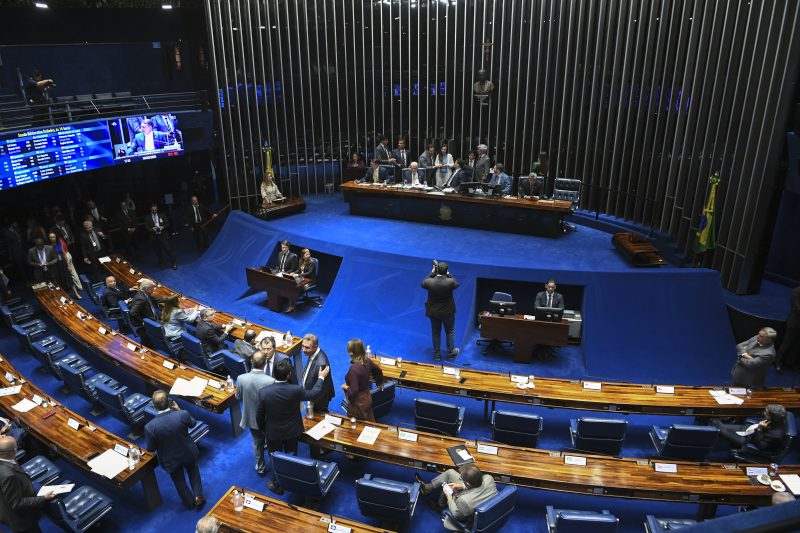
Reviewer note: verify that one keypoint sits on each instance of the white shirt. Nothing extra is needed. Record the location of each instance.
(149, 143)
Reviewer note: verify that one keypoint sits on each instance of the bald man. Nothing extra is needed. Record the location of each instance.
(20, 507)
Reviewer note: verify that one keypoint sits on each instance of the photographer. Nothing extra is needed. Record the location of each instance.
(441, 308)
(36, 88)
(156, 226)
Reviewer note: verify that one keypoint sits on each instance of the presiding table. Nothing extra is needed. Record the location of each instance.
(78, 446)
(282, 208)
(507, 214)
(524, 333)
(279, 287)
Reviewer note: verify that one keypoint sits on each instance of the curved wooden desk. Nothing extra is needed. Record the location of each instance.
(277, 516)
(147, 365)
(570, 394)
(76, 446)
(703, 483)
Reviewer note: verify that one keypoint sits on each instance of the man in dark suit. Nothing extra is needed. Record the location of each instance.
(427, 158)
(278, 412)
(375, 173)
(143, 304)
(92, 248)
(413, 175)
(549, 297)
(441, 308)
(62, 229)
(246, 346)
(42, 258)
(789, 354)
(482, 164)
(168, 435)
(529, 187)
(401, 156)
(197, 216)
(98, 216)
(211, 336)
(768, 435)
(754, 357)
(317, 360)
(287, 260)
(457, 176)
(16, 248)
(126, 219)
(148, 139)
(112, 294)
(273, 357)
(20, 507)
(156, 226)
(382, 153)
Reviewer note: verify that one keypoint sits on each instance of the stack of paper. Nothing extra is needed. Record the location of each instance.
(5, 391)
(23, 406)
(369, 435)
(723, 398)
(108, 464)
(792, 481)
(56, 489)
(193, 388)
(320, 430)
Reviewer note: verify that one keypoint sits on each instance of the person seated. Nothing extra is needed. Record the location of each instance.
(112, 294)
(287, 260)
(306, 267)
(461, 492)
(457, 176)
(501, 181)
(269, 191)
(148, 140)
(767, 435)
(549, 297)
(375, 173)
(174, 320)
(143, 303)
(211, 336)
(414, 176)
(207, 524)
(529, 188)
(12, 429)
(755, 355)
(355, 161)
(247, 346)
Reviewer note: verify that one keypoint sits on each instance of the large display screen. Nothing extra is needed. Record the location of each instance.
(42, 153)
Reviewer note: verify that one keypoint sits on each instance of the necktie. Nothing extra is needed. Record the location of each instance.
(42, 257)
(269, 367)
(309, 364)
(403, 157)
(125, 212)
(152, 307)
(549, 300)
(196, 215)
(155, 221)
(283, 261)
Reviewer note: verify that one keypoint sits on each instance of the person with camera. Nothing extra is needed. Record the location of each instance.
(441, 308)
(156, 226)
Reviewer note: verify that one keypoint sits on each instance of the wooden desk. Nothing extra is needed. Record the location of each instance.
(525, 334)
(281, 209)
(76, 446)
(569, 394)
(277, 516)
(121, 269)
(704, 483)
(512, 215)
(147, 365)
(279, 289)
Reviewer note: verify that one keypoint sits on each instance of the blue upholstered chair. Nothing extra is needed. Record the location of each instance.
(306, 295)
(155, 331)
(663, 525)
(235, 365)
(491, 515)
(194, 350)
(82, 382)
(52, 353)
(16, 314)
(382, 399)
(79, 510)
(598, 435)
(438, 417)
(126, 318)
(517, 429)
(129, 408)
(386, 499)
(310, 477)
(197, 432)
(41, 470)
(94, 290)
(575, 521)
(681, 441)
(751, 454)
(493, 343)
(29, 332)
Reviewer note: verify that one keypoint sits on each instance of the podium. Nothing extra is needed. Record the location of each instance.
(279, 288)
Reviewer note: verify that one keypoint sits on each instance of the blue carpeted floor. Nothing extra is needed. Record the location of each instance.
(666, 325)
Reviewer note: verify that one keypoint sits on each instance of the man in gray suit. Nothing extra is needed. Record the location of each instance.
(42, 258)
(756, 354)
(247, 387)
(549, 297)
(482, 165)
(427, 158)
(464, 493)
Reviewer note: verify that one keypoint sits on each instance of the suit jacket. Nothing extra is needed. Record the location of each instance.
(140, 307)
(65, 232)
(383, 175)
(441, 303)
(50, 257)
(399, 160)
(289, 264)
(277, 358)
(111, 297)
(205, 215)
(458, 176)
(541, 300)
(752, 373)
(768, 440)
(150, 224)
(88, 249)
(247, 389)
(126, 221)
(160, 140)
(793, 320)
(211, 336)
(525, 188)
(243, 348)
(482, 168)
(425, 160)
(464, 504)
(20, 507)
(407, 176)
(382, 154)
(278, 412)
(168, 435)
(328, 390)
(504, 180)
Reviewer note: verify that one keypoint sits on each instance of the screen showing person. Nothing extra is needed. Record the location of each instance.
(145, 135)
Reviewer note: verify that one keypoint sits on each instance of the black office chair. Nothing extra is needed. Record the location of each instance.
(568, 190)
(307, 296)
(494, 343)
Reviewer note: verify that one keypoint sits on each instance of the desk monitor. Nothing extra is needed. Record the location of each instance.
(550, 314)
(469, 187)
(502, 308)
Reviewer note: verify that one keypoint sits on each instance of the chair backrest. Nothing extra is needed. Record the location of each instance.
(502, 297)
(297, 474)
(567, 189)
(126, 315)
(194, 349)
(382, 495)
(492, 514)
(689, 442)
(315, 262)
(444, 412)
(155, 331)
(601, 428)
(235, 364)
(111, 399)
(517, 429)
(580, 522)
(382, 400)
(8, 317)
(73, 379)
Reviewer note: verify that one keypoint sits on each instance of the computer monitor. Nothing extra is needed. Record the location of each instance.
(502, 308)
(468, 187)
(550, 314)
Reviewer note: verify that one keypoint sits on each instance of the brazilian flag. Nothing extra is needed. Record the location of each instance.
(706, 234)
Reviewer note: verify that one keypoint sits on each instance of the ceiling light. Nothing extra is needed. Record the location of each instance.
(41, 5)
(166, 6)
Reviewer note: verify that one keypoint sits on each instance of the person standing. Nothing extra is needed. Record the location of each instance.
(317, 360)
(789, 354)
(36, 87)
(755, 355)
(168, 435)
(127, 222)
(441, 308)
(20, 507)
(401, 156)
(444, 164)
(287, 259)
(382, 153)
(63, 272)
(482, 164)
(426, 158)
(273, 357)
(92, 249)
(43, 259)
(278, 412)
(356, 386)
(248, 387)
(198, 215)
(157, 229)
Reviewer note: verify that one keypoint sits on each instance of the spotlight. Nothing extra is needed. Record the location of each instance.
(166, 6)
(41, 5)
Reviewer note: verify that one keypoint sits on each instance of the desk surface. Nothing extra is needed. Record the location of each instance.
(76, 446)
(715, 483)
(400, 191)
(279, 515)
(571, 394)
(147, 366)
(121, 269)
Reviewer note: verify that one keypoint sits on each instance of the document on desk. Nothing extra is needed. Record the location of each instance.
(105, 259)
(5, 391)
(369, 435)
(320, 430)
(56, 489)
(193, 388)
(723, 398)
(792, 482)
(108, 464)
(23, 406)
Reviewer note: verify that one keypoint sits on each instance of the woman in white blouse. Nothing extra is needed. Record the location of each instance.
(444, 164)
(173, 319)
(269, 190)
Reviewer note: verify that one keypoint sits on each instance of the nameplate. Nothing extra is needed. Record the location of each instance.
(63, 301)
(37, 399)
(117, 259)
(238, 322)
(10, 377)
(74, 424)
(519, 379)
(168, 364)
(449, 370)
(574, 460)
(214, 383)
(104, 259)
(741, 391)
(131, 347)
(667, 468)
(254, 504)
(407, 435)
(665, 389)
(592, 385)
(80, 315)
(325, 519)
(387, 361)
(336, 528)
(102, 330)
(756, 471)
(132, 271)
(122, 450)
(488, 450)
(335, 420)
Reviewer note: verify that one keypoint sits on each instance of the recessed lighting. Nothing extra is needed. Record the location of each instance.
(41, 5)
(166, 6)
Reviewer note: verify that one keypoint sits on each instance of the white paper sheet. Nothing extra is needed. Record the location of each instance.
(23, 406)
(464, 454)
(105, 259)
(5, 391)
(723, 398)
(56, 489)
(108, 464)
(320, 430)
(193, 388)
(369, 435)
(792, 482)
